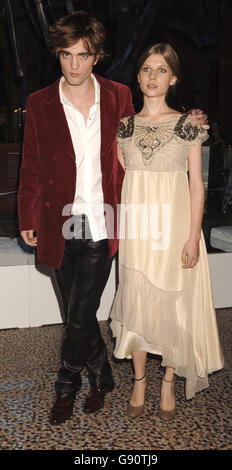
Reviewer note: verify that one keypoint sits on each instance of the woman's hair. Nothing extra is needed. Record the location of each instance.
(167, 52)
(79, 25)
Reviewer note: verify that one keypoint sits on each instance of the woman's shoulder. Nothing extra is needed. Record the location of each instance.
(186, 130)
(126, 127)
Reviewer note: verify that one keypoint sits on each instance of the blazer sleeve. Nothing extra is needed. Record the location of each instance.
(128, 109)
(29, 187)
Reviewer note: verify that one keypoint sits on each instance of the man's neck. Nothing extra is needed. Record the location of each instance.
(80, 92)
(81, 96)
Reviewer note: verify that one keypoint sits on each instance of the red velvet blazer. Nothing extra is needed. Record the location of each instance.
(48, 172)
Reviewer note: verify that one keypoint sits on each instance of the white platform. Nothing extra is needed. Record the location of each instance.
(221, 238)
(28, 297)
(220, 265)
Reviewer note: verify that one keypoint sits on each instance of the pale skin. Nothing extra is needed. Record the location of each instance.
(155, 77)
(76, 65)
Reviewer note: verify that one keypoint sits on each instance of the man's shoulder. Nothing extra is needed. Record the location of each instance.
(111, 84)
(47, 92)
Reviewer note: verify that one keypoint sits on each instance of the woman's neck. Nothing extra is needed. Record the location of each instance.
(154, 108)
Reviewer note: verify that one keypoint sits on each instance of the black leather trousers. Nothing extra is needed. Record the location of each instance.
(81, 280)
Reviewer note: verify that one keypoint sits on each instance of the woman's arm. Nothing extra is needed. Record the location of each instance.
(190, 253)
(120, 157)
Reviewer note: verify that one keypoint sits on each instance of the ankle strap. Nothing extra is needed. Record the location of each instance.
(137, 380)
(169, 381)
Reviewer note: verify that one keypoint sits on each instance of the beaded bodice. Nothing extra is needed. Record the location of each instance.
(158, 146)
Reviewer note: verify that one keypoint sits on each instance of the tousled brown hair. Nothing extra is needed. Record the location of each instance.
(78, 25)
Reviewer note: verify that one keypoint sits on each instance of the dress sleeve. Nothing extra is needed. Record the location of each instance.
(125, 131)
(188, 133)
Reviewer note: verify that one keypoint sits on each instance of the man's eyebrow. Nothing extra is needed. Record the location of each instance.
(79, 53)
(86, 53)
(61, 51)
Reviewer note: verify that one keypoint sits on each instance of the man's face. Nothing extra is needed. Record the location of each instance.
(76, 63)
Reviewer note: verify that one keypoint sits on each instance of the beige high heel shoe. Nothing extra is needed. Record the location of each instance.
(168, 415)
(136, 411)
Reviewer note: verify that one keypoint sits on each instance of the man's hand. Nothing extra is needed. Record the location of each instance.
(28, 237)
(199, 118)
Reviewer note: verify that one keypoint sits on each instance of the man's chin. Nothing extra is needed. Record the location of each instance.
(73, 82)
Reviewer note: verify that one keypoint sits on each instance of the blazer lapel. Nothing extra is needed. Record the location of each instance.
(56, 121)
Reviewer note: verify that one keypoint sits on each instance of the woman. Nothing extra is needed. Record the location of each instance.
(163, 304)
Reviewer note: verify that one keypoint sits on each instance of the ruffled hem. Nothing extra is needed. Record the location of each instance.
(128, 342)
(153, 309)
(155, 327)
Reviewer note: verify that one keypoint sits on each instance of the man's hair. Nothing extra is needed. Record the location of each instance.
(79, 25)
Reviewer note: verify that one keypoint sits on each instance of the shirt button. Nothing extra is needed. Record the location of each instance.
(50, 181)
(55, 157)
(47, 204)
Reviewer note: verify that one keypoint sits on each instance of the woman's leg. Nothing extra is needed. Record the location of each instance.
(167, 399)
(139, 362)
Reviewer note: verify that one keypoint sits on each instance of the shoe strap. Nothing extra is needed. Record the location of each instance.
(137, 380)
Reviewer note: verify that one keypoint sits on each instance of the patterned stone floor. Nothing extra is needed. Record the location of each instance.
(29, 361)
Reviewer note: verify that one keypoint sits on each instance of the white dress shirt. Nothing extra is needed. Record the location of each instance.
(86, 139)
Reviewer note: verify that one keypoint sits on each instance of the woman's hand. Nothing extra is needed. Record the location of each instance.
(190, 254)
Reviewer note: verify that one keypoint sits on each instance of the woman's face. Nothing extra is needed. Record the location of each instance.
(155, 76)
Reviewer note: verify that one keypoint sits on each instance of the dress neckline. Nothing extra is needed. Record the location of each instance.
(158, 122)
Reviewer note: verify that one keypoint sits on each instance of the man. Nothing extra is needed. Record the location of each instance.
(70, 160)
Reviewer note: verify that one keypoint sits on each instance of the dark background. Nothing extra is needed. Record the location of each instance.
(199, 30)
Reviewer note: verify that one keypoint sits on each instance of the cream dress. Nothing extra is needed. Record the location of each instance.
(160, 307)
